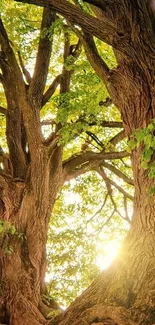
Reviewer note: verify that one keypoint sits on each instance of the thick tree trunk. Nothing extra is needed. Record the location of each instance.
(23, 254)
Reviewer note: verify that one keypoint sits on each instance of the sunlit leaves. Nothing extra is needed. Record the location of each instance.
(145, 138)
(25, 22)
(106, 53)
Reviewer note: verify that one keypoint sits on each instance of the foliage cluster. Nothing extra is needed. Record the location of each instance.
(146, 139)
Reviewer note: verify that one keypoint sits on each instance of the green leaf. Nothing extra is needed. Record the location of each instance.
(12, 229)
(148, 140)
(132, 143)
(1, 227)
(144, 165)
(151, 126)
(140, 135)
(147, 153)
(152, 172)
(152, 190)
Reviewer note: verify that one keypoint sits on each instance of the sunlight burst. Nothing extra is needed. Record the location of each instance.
(107, 254)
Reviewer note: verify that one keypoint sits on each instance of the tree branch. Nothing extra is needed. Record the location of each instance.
(93, 161)
(117, 138)
(97, 63)
(110, 193)
(4, 40)
(48, 122)
(106, 26)
(14, 88)
(84, 161)
(3, 110)
(50, 91)
(118, 173)
(73, 50)
(106, 222)
(19, 107)
(109, 188)
(96, 139)
(37, 84)
(99, 210)
(108, 124)
(97, 3)
(66, 74)
(121, 190)
(1, 78)
(107, 102)
(112, 124)
(75, 15)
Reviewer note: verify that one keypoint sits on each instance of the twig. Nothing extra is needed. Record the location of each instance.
(98, 211)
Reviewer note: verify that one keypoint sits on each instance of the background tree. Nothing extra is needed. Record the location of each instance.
(39, 164)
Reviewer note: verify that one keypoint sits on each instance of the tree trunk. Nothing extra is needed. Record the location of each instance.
(23, 253)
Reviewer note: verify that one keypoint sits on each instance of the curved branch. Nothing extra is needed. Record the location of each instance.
(108, 183)
(99, 210)
(97, 63)
(50, 91)
(85, 161)
(106, 26)
(96, 139)
(109, 189)
(121, 190)
(118, 173)
(75, 15)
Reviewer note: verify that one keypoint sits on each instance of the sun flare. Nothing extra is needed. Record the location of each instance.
(107, 254)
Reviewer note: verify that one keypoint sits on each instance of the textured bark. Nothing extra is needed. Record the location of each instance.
(22, 271)
(27, 195)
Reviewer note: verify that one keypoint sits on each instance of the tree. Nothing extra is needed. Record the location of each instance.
(35, 172)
